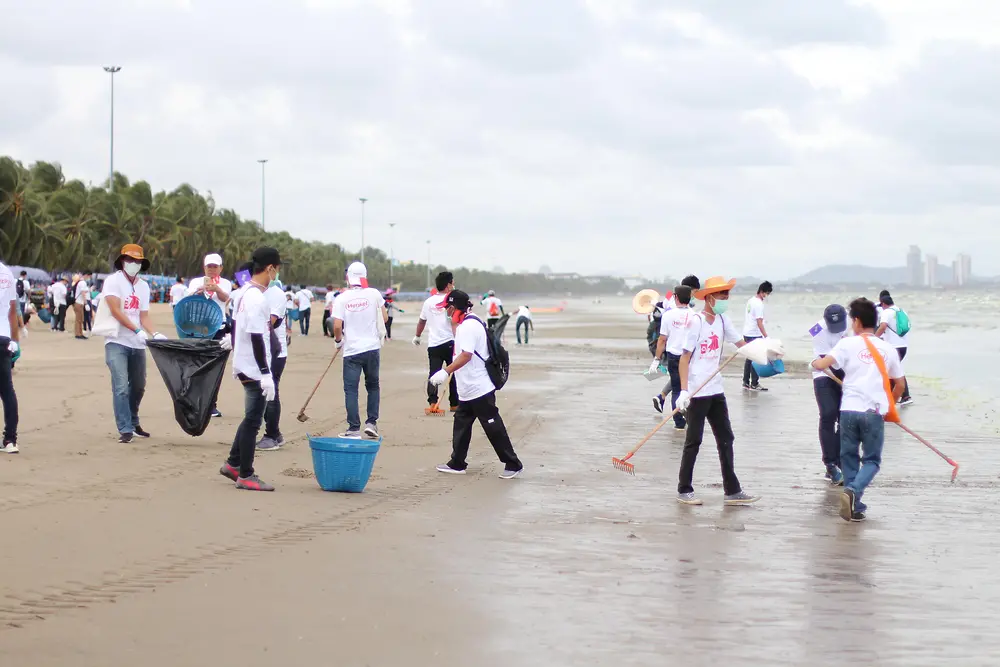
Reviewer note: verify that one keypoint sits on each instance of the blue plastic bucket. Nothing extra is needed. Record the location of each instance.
(343, 464)
(293, 315)
(769, 370)
(44, 315)
(197, 317)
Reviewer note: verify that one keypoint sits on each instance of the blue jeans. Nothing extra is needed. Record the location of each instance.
(353, 366)
(128, 383)
(674, 368)
(867, 430)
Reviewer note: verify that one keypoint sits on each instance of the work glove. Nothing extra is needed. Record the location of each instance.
(226, 343)
(338, 343)
(654, 366)
(159, 336)
(267, 386)
(143, 336)
(416, 341)
(683, 400)
(439, 378)
(13, 348)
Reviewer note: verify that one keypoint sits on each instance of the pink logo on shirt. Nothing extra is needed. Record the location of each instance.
(131, 302)
(357, 305)
(710, 345)
(866, 357)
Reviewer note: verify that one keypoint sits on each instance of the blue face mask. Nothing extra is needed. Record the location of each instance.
(720, 306)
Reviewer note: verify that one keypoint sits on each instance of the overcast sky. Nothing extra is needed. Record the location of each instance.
(627, 136)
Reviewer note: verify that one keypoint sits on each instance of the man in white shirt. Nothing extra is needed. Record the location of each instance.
(177, 292)
(826, 334)
(888, 330)
(60, 289)
(523, 318)
(81, 295)
(328, 310)
(673, 332)
(10, 350)
(356, 331)
(127, 296)
(440, 339)
(494, 308)
(304, 298)
(476, 392)
(653, 338)
(753, 328)
(216, 288)
(277, 306)
(23, 290)
(252, 366)
(702, 394)
(869, 365)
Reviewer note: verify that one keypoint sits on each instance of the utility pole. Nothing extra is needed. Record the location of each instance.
(392, 255)
(428, 265)
(362, 200)
(263, 225)
(112, 70)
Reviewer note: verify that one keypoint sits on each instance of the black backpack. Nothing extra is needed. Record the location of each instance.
(20, 288)
(498, 363)
(71, 294)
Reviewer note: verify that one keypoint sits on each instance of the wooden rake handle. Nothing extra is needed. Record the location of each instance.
(320, 381)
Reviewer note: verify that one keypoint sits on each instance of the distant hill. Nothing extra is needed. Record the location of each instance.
(867, 275)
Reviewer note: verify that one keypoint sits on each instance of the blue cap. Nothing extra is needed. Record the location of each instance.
(835, 317)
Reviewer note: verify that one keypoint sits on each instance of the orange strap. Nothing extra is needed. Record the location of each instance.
(893, 414)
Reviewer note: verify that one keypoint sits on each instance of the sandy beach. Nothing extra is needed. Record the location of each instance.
(141, 553)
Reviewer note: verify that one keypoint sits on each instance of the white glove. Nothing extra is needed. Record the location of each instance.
(338, 343)
(439, 378)
(416, 341)
(13, 347)
(267, 385)
(159, 336)
(654, 367)
(143, 336)
(683, 400)
(226, 343)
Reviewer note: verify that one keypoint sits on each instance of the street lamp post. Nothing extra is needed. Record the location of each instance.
(112, 70)
(392, 255)
(362, 200)
(428, 264)
(263, 225)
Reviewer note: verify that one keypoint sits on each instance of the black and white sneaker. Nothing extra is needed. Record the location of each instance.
(352, 433)
(371, 430)
(658, 403)
(858, 517)
(757, 387)
(906, 401)
(139, 431)
(448, 470)
(125, 437)
(847, 500)
(510, 474)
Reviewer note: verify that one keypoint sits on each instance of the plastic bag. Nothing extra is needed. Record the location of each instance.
(192, 370)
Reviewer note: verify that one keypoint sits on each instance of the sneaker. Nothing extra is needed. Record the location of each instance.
(267, 444)
(847, 500)
(216, 413)
(447, 469)
(906, 401)
(680, 428)
(353, 433)
(125, 437)
(746, 386)
(741, 498)
(858, 517)
(757, 387)
(371, 430)
(10, 448)
(510, 474)
(80, 337)
(229, 472)
(138, 430)
(253, 483)
(834, 474)
(658, 403)
(688, 499)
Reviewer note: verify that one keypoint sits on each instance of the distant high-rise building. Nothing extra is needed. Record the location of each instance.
(962, 267)
(914, 266)
(931, 270)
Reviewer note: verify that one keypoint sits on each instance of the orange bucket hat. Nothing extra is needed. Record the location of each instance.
(714, 285)
(132, 251)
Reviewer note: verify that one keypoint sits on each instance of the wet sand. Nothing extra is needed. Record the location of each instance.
(119, 554)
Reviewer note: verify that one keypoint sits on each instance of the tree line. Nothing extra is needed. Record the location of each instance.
(56, 224)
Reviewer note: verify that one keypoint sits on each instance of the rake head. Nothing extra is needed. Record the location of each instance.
(433, 410)
(623, 465)
(954, 473)
(302, 416)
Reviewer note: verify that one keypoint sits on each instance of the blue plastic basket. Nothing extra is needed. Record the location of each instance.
(769, 370)
(197, 317)
(343, 464)
(293, 314)
(44, 315)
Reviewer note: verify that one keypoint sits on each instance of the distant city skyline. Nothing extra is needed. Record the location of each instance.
(925, 271)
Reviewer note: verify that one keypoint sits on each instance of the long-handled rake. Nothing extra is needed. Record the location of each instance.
(434, 409)
(953, 463)
(629, 468)
(302, 416)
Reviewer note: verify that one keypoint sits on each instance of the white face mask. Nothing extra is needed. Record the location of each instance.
(132, 269)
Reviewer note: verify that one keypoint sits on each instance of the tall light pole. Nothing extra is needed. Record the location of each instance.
(263, 225)
(112, 70)
(362, 200)
(428, 264)
(392, 234)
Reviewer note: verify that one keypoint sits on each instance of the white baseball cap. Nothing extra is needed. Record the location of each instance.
(357, 274)
(214, 258)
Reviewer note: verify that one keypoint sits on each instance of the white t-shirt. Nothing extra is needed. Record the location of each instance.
(278, 306)
(304, 299)
(236, 295)
(755, 311)
(438, 325)
(253, 317)
(823, 343)
(489, 303)
(82, 294)
(888, 316)
(359, 309)
(224, 284)
(705, 341)
(134, 300)
(674, 326)
(177, 292)
(330, 296)
(8, 293)
(472, 380)
(27, 290)
(59, 292)
(524, 312)
(863, 386)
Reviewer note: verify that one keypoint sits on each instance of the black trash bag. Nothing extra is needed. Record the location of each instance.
(500, 326)
(192, 370)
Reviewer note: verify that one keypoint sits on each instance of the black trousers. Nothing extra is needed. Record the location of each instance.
(902, 355)
(7, 395)
(750, 376)
(828, 394)
(61, 318)
(388, 328)
(715, 410)
(438, 357)
(327, 324)
(272, 413)
(245, 442)
(485, 410)
(674, 368)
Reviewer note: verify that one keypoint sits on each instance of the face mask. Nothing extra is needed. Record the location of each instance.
(720, 306)
(275, 278)
(457, 317)
(132, 269)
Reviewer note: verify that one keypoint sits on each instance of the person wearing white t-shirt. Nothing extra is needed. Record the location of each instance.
(216, 288)
(23, 290)
(825, 335)
(253, 367)
(177, 292)
(494, 308)
(653, 337)
(888, 330)
(523, 318)
(866, 405)
(127, 296)
(753, 328)
(440, 339)
(277, 305)
(10, 350)
(81, 298)
(60, 289)
(673, 332)
(328, 310)
(356, 330)
(477, 398)
(304, 298)
(702, 395)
